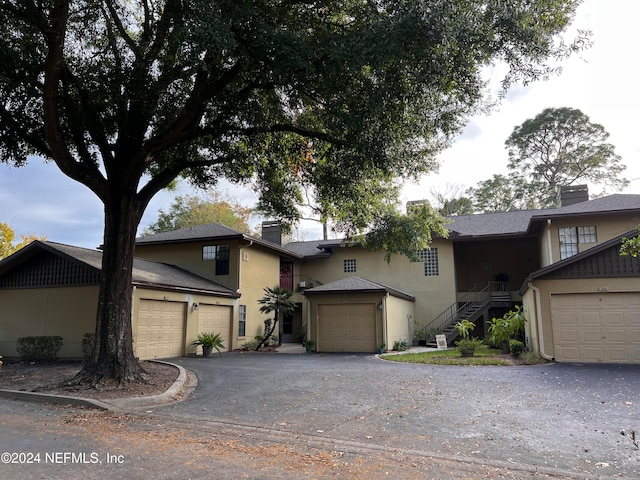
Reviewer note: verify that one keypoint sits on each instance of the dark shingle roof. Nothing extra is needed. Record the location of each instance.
(208, 232)
(490, 224)
(308, 249)
(612, 204)
(200, 232)
(145, 272)
(357, 284)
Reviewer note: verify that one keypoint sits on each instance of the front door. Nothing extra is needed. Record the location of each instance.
(292, 326)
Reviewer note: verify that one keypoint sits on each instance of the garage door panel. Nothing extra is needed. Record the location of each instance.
(216, 319)
(347, 327)
(160, 331)
(598, 327)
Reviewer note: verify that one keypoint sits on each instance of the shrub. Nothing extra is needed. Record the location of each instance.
(531, 358)
(401, 345)
(88, 342)
(250, 345)
(516, 347)
(39, 349)
(469, 345)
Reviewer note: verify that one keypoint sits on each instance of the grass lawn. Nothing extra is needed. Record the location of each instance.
(485, 356)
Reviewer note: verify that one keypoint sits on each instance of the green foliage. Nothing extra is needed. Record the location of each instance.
(503, 194)
(88, 342)
(39, 349)
(395, 233)
(276, 301)
(531, 358)
(250, 345)
(401, 345)
(469, 345)
(191, 211)
(509, 326)
(516, 347)
(209, 340)
(631, 246)
(562, 147)
(465, 327)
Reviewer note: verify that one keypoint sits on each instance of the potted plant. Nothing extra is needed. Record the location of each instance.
(467, 346)
(421, 337)
(209, 341)
(382, 348)
(308, 345)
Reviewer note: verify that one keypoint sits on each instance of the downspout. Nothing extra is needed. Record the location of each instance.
(536, 293)
(384, 319)
(549, 250)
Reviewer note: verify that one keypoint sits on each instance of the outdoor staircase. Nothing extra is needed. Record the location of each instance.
(470, 307)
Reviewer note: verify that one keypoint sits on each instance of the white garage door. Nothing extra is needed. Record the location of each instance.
(160, 332)
(347, 327)
(216, 319)
(602, 327)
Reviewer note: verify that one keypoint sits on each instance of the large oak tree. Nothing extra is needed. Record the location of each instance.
(124, 96)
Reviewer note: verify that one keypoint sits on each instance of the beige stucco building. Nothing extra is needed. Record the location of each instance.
(580, 297)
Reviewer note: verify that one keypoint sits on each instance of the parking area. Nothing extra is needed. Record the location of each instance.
(570, 417)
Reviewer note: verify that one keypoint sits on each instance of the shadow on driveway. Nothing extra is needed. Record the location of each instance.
(563, 416)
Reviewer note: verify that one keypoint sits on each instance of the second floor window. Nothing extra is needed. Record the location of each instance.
(350, 265)
(218, 254)
(571, 237)
(430, 259)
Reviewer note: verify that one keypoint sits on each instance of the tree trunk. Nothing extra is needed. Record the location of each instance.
(268, 335)
(113, 356)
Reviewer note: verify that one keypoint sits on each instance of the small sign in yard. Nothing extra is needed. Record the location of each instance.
(441, 340)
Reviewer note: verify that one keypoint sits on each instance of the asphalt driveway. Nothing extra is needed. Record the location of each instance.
(567, 417)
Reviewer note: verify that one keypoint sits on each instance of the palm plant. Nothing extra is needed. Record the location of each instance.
(277, 301)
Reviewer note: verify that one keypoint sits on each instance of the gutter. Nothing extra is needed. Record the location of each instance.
(549, 250)
(536, 292)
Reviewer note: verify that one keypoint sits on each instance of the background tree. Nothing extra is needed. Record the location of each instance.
(124, 96)
(503, 194)
(561, 147)
(191, 210)
(451, 200)
(7, 240)
(631, 245)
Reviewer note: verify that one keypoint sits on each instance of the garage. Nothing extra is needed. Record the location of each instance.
(216, 319)
(601, 327)
(161, 329)
(347, 327)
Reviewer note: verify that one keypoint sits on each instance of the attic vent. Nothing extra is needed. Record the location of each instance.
(49, 271)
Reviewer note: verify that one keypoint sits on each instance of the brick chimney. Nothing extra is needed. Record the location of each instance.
(573, 194)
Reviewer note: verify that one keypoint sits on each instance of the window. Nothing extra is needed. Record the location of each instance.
(430, 259)
(242, 321)
(219, 254)
(571, 237)
(350, 265)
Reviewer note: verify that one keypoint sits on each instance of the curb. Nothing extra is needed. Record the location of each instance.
(114, 405)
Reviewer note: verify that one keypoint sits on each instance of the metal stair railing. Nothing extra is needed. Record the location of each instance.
(473, 305)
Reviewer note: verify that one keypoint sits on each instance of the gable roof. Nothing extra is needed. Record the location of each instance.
(600, 261)
(145, 272)
(357, 284)
(209, 232)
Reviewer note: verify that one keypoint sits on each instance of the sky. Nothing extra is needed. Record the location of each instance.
(601, 82)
